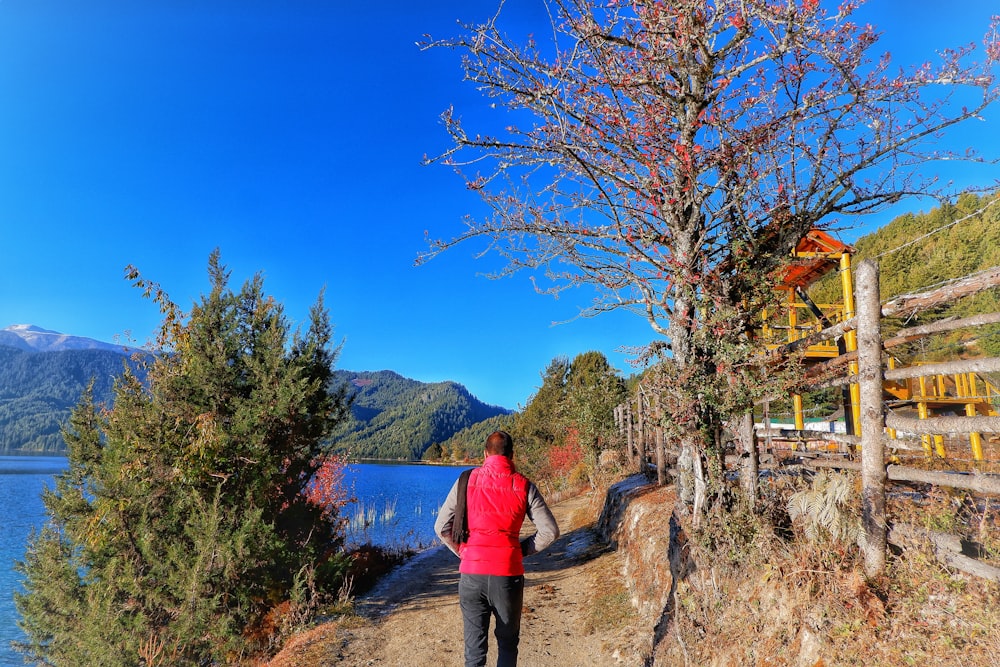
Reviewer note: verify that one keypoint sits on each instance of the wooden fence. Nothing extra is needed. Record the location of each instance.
(875, 418)
(881, 429)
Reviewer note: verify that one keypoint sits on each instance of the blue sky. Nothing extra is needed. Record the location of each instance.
(290, 136)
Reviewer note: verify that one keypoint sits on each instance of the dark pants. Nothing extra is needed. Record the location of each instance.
(482, 596)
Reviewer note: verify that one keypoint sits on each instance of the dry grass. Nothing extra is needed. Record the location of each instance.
(611, 607)
(763, 597)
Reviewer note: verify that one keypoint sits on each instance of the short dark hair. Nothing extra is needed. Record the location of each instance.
(500, 442)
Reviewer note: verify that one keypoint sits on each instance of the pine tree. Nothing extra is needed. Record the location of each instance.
(539, 426)
(180, 533)
(593, 390)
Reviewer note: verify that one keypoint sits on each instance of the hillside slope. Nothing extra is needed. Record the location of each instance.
(394, 417)
(916, 251)
(43, 374)
(38, 390)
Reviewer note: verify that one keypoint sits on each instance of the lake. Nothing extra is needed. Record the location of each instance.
(396, 505)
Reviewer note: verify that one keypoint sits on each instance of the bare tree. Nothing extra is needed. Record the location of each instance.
(673, 153)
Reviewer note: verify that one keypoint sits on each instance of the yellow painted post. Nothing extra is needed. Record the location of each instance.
(922, 414)
(800, 424)
(851, 337)
(793, 335)
(793, 317)
(939, 393)
(891, 432)
(975, 439)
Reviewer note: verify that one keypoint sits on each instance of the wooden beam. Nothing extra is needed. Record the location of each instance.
(829, 333)
(910, 304)
(872, 417)
(833, 463)
(988, 484)
(972, 481)
(947, 324)
(940, 425)
(792, 434)
(982, 365)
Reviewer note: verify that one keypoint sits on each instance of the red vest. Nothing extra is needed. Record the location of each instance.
(496, 505)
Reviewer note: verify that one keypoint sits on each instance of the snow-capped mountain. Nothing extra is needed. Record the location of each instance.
(36, 339)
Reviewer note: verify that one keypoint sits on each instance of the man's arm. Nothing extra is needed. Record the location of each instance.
(546, 528)
(446, 517)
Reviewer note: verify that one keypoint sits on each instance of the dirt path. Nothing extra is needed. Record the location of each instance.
(412, 617)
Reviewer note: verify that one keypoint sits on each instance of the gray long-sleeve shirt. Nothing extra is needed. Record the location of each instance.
(546, 528)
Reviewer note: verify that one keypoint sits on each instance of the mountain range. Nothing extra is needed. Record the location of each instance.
(42, 376)
(36, 339)
(43, 373)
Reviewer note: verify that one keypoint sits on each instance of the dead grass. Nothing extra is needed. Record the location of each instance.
(760, 596)
(311, 647)
(611, 609)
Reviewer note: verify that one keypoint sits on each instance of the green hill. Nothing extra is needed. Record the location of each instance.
(394, 417)
(917, 251)
(39, 389)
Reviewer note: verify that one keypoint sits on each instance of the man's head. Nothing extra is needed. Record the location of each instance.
(500, 442)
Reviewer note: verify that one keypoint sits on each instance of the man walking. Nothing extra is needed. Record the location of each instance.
(491, 581)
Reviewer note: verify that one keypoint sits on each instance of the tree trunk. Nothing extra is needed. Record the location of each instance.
(751, 463)
(634, 457)
(700, 484)
(685, 470)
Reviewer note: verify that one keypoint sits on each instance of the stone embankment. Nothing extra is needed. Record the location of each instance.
(639, 525)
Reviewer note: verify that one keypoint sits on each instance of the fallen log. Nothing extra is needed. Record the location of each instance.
(947, 549)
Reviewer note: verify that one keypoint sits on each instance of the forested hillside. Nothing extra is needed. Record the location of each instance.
(392, 417)
(398, 418)
(470, 441)
(39, 389)
(919, 250)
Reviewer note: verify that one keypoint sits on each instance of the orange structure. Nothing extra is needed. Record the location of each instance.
(818, 254)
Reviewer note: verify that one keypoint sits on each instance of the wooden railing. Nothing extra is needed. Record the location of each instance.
(878, 423)
(881, 432)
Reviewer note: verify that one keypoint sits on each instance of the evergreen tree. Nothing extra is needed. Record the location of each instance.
(540, 425)
(570, 419)
(432, 453)
(593, 390)
(180, 533)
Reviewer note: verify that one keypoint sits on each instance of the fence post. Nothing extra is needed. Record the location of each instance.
(661, 460)
(634, 458)
(870, 379)
(751, 465)
(641, 427)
